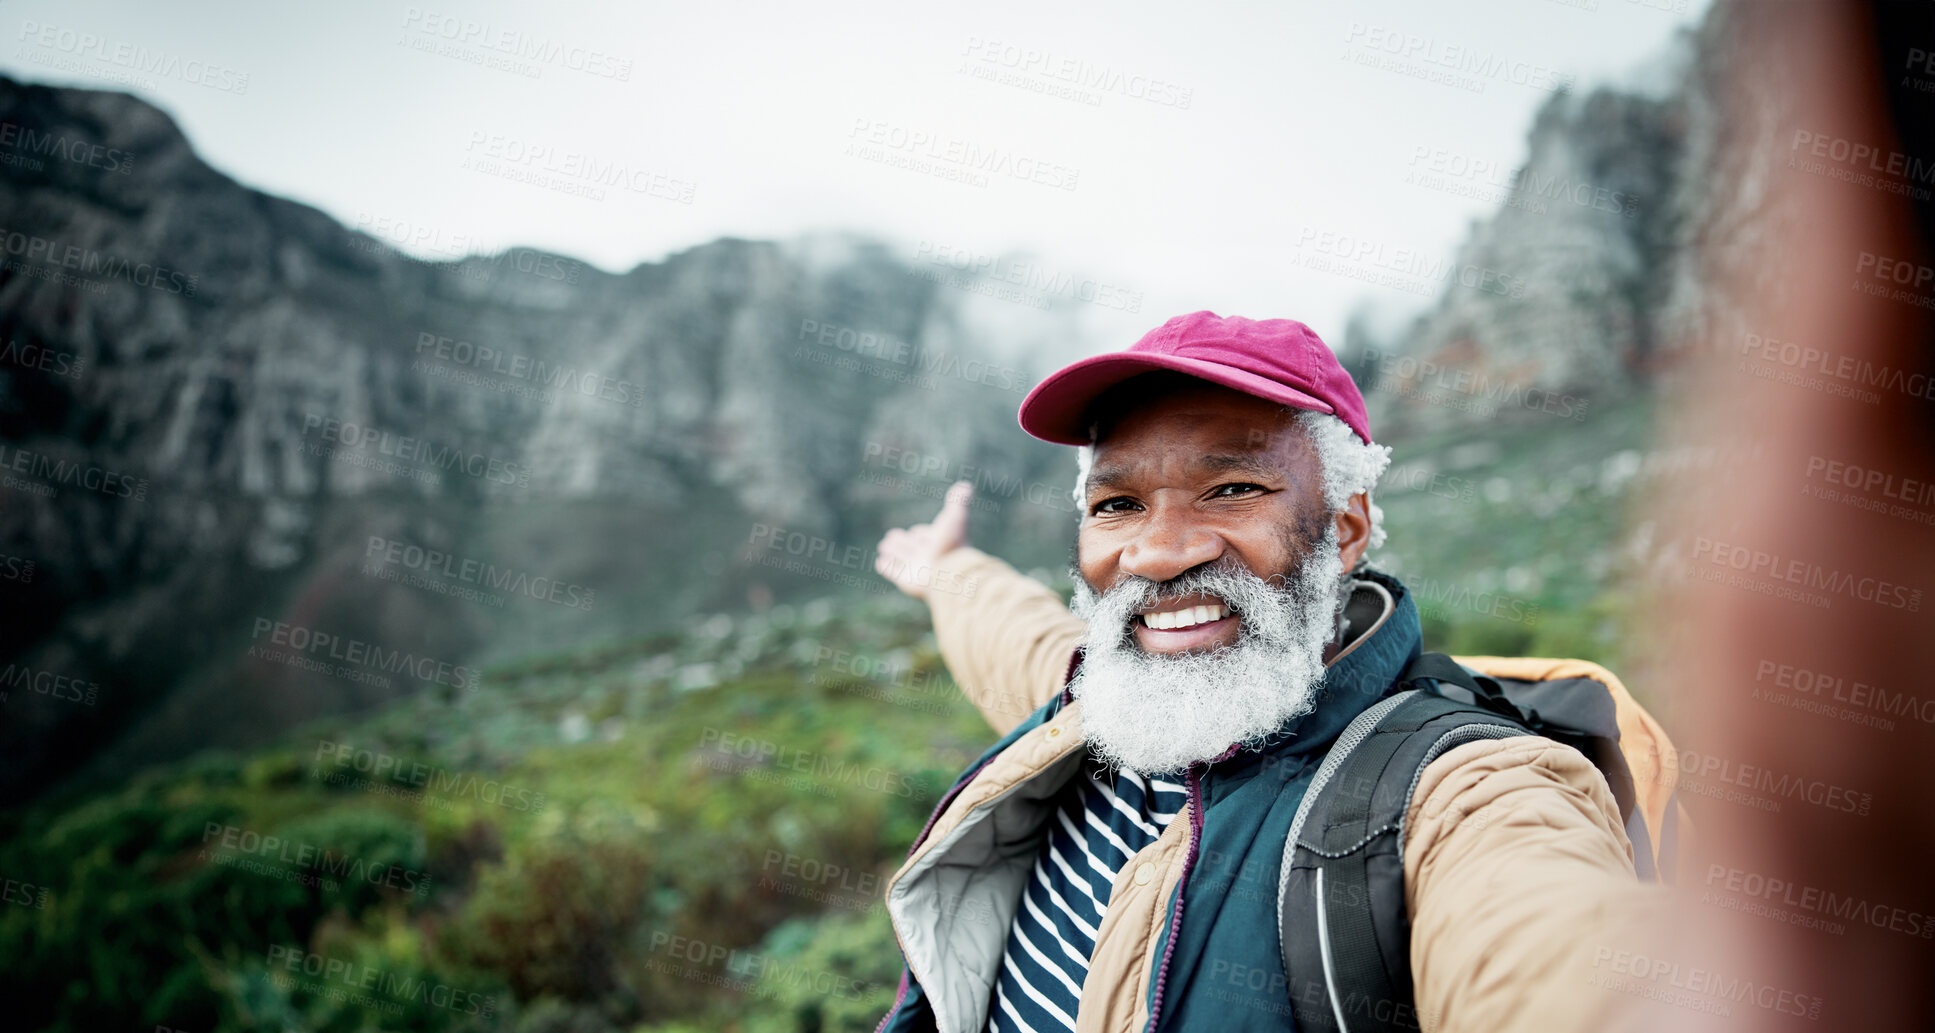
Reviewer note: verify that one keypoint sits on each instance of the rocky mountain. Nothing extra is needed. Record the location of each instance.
(1567, 295)
(259, 466)
(247, 448)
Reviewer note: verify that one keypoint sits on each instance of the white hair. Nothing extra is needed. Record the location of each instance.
(1351, 465)
(1158, 713)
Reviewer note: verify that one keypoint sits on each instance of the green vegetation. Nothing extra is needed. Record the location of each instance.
(667, 835)
(682, 833)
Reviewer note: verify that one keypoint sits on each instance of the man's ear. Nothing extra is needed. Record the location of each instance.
(1354, 529)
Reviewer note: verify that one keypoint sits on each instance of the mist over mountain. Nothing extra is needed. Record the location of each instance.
(234, 428)
(224, 409)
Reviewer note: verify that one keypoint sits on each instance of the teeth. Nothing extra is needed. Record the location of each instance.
(1187, 617)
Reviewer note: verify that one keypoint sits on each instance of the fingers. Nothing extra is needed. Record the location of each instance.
(950, 526)
(894, 567)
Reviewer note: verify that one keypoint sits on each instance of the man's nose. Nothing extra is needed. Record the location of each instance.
(1170, 543)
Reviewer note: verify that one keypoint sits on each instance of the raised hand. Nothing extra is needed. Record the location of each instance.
(906, 555)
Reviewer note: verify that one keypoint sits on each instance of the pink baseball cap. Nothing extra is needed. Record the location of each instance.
(1278, 359)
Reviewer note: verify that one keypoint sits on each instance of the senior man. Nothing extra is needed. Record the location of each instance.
(1108, 864)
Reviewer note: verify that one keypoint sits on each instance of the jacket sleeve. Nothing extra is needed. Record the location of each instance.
(1006, 637)
(1518, 876)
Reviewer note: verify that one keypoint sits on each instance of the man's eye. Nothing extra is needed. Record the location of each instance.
(1118, 504)
(1226, 490)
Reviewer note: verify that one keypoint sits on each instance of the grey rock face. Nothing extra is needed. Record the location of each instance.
(256, 402)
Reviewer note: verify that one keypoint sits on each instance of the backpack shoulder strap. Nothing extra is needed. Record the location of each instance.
(1344, 931)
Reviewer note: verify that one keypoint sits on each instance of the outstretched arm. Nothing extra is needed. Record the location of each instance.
(1519, 881)
(1006, 637)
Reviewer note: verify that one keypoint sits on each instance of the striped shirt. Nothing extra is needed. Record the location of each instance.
(1099, 823)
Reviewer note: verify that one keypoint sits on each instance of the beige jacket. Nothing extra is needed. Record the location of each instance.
(1515, 853)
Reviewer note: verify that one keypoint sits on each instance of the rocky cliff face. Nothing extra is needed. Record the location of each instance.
(1563, 297)
(227, 416)
(235, 429)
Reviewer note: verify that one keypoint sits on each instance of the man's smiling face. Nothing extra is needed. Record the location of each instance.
(1212, 573)
(1199, 475)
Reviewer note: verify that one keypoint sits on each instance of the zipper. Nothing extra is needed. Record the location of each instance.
(905, 969)
(1340, 752)
(1323, 950)
(1067, 697)
(1175, 913)
(899, 999)
(1195, 782)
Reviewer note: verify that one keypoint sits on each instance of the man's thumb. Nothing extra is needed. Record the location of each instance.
(951, 523)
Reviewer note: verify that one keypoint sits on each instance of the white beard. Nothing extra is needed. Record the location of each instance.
(1157, 713)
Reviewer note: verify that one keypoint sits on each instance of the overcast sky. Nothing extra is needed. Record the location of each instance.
(1171, 154)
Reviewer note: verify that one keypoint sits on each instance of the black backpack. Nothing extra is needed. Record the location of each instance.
(1340, 900)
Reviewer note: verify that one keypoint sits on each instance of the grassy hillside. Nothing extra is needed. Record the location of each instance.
(687, 832)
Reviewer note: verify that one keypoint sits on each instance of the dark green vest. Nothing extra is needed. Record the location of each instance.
(1224, 971)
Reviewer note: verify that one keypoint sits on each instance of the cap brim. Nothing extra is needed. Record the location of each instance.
(1057, 409)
